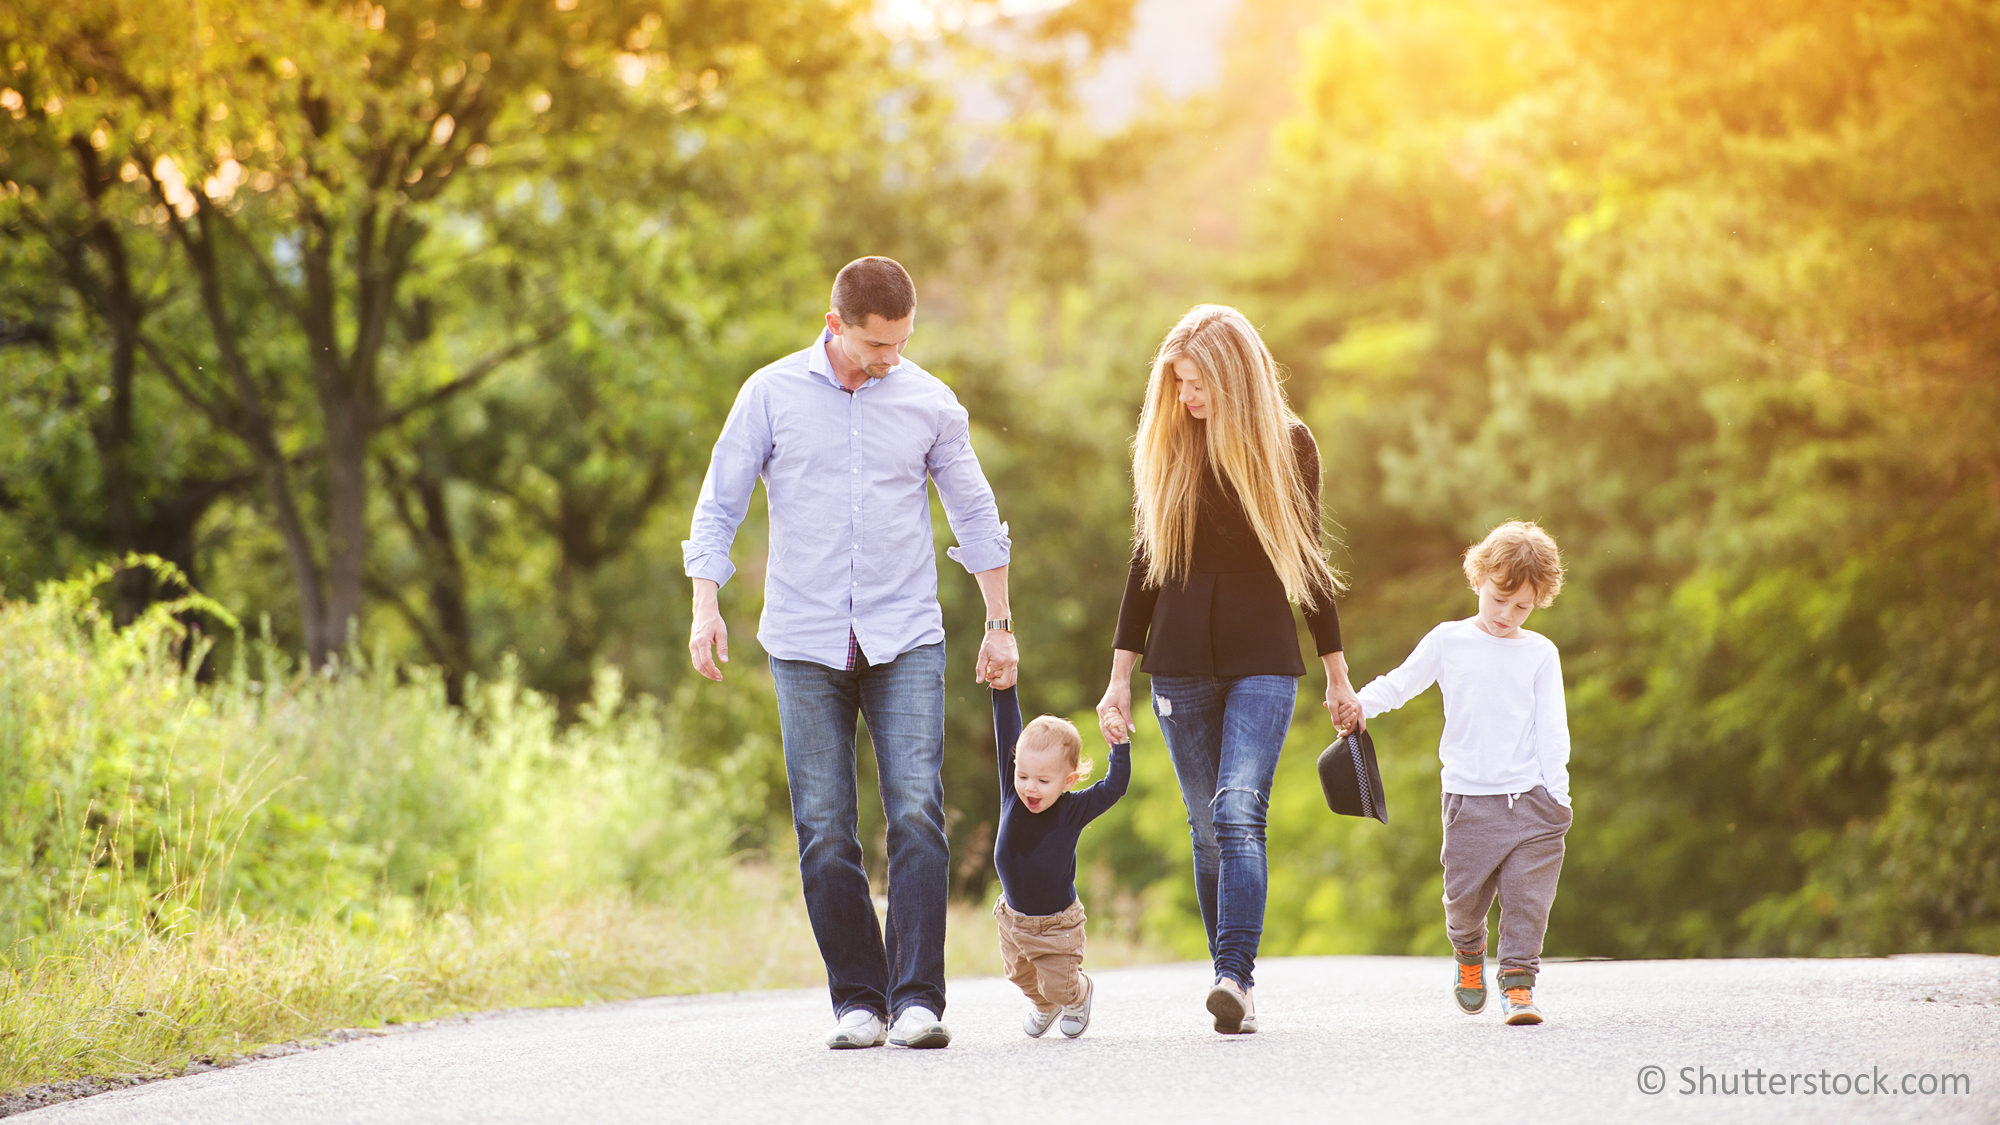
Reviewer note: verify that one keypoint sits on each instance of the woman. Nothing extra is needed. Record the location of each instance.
(1227, 537)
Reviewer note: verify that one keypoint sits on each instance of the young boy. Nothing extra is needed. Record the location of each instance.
(1505, 753)
(1040, 917)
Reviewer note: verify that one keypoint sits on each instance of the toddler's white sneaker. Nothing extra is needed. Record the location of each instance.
(1038, 1022)
(1076, 1017)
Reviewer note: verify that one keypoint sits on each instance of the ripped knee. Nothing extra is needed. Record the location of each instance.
(1237, 805)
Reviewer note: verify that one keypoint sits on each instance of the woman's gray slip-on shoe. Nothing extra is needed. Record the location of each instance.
(1226, 1004)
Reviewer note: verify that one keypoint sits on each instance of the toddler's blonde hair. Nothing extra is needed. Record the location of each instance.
(1051, 731)
(1517, 551)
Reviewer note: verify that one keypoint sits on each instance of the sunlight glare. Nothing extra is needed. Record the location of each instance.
(925, 19)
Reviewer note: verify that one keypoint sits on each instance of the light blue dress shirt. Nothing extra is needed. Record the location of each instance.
(844, 474)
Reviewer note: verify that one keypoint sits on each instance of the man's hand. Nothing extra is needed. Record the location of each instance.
(999, 659)
(708, 632)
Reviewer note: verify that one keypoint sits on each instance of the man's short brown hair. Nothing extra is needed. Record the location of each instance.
(873, 286)
(1514, 553)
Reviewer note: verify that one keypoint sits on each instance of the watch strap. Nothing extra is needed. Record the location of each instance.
(1003, 623)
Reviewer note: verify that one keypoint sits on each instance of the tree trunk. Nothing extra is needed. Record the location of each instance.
(447, 588)
(447, 630)
(347, 433)
(252, 422)
(141, 512)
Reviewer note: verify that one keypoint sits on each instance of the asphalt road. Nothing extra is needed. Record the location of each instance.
(1372, 1039)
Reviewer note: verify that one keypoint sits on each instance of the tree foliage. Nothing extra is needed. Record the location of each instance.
(340, 207)
(427, 318)
(1712, 294)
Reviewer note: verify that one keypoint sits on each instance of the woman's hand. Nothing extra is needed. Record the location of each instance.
(1114, 711)
(1344, 708)
(1342, 705)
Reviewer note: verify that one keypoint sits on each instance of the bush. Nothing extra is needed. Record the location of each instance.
(194, 867)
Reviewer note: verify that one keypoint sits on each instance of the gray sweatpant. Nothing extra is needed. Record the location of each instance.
(1509, 846)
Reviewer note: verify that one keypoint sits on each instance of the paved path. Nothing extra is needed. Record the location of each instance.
(1371, 1039)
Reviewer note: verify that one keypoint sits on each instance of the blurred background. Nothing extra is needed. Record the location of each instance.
(403, 331)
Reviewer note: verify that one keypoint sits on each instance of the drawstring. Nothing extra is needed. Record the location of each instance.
(1510, 800)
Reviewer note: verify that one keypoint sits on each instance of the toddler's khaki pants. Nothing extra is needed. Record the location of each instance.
(1043, 953)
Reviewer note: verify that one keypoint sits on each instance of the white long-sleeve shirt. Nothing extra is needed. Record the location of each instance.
(1505, 727)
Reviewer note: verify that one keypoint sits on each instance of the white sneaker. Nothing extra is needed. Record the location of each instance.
(1076, 1017)
(1249, 1024)
(1038, 1022)
(858, 1028)
(919, 1027)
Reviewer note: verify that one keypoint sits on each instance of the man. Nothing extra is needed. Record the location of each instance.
(845, 435)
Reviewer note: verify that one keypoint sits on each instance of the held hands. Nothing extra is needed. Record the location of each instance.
(1344, 708)
(1114, 712)
(999, 660)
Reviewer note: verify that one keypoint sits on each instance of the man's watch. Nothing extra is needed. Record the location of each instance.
(1004, 624)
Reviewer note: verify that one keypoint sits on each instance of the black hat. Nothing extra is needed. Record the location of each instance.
(1351, 779)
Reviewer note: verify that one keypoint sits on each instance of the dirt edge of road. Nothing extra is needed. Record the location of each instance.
(50, 1093)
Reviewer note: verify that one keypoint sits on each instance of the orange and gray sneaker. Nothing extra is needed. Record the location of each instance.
(1517, 998)
(1470, 987)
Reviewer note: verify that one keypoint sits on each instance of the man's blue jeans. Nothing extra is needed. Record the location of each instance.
(903, 702)
(1224, 735)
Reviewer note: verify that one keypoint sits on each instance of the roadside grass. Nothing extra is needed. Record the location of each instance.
(108, 1003)
(194, 870)
(104, 1003)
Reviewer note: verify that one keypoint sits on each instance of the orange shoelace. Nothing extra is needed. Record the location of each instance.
(1520, 997)
(1472, 977)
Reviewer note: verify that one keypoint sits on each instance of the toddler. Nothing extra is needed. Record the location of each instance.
(1505, 753)
(1040, 917)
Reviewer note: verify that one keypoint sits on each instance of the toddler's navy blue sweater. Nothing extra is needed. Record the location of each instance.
(1035, 852)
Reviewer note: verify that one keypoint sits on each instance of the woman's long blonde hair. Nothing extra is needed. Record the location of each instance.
(1247, 437)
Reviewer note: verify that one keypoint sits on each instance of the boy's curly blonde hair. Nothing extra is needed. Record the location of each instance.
(1049, 731)
(1517, 552)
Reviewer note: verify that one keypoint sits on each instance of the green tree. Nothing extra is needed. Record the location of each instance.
(1662, 283)
(303, 160)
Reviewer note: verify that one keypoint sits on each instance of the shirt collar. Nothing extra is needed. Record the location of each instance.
(820, 365)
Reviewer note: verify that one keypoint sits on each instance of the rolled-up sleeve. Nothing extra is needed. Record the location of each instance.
(740, 456)
(968, 500)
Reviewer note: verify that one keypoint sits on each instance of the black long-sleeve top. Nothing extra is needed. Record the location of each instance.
(1228, 616)
(1035, 852)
